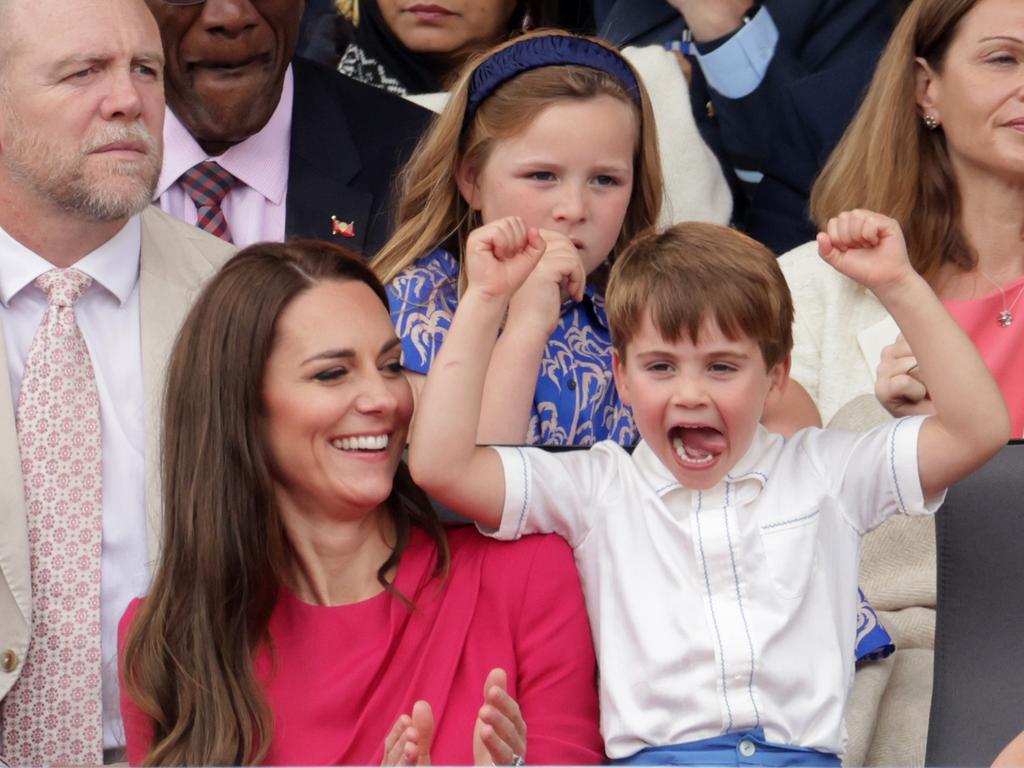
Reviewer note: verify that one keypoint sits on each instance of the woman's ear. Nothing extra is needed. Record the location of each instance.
(465, 179)
(926, 89)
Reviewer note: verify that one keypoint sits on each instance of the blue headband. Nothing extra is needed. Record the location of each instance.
(549, 50)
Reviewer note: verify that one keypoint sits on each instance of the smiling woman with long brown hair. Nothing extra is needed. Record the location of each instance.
(308, 606)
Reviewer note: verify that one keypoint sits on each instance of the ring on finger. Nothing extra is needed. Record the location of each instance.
(517, 760)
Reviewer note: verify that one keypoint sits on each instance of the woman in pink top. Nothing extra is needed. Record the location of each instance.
(308, 607)
(938, 144)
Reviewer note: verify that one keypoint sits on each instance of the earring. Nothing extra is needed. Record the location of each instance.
(930, 122)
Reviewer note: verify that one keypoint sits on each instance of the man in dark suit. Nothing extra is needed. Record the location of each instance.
(747, 54)
(810, 119)
(261, 146)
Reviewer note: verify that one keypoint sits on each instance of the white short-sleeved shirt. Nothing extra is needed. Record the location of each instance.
(725, 609)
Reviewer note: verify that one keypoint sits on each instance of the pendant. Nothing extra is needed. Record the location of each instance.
(1006, 318)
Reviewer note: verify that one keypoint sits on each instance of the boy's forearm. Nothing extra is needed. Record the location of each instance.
(444, 428)
(969, 407)
(510, 385)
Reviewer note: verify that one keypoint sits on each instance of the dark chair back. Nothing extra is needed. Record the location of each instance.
(978, 694)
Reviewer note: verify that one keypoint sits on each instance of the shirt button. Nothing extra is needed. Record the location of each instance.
(9, 661)
(572, 384)
(747, 748)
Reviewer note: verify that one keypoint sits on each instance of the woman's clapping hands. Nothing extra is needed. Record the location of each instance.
(499, 736)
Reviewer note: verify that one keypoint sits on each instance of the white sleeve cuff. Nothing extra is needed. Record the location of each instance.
(904, 472)
(517, 494)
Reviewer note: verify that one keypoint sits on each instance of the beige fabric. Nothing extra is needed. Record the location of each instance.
(175, 260)
(887, 715)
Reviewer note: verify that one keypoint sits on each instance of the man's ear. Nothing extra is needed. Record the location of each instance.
(926, 88)
(619, 374)
(465, 179)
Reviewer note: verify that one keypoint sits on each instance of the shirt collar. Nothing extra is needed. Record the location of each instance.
(743, 484)
(114, 265)
(259, 162)
(592, 301)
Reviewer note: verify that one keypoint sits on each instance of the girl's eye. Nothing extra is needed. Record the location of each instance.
(330, 374)
(606, 181)
(1001, 58)
(542, 175)
(394, 367)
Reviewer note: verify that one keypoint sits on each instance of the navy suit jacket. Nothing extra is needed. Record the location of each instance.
(813, 35)
(811, 119)
(349, 141)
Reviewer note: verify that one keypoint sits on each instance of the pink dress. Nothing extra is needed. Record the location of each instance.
(340, 676)
(1001, 347)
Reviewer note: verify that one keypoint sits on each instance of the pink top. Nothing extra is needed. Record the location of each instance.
(341, 676)
(1001, 347)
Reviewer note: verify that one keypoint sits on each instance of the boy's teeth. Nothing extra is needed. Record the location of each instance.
(691, 455)
(361, 443)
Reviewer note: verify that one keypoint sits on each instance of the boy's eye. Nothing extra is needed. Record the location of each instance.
(330, 374)
(721, 368)
(661, 367)
(542, 175)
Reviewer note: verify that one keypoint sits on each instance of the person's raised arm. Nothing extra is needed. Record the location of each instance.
(443, 455)
(532, 317)
(971, 421)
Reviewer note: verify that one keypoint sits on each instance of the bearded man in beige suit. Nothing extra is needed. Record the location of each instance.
(81, 115)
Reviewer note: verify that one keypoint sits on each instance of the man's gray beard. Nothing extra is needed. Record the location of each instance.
(117, 190)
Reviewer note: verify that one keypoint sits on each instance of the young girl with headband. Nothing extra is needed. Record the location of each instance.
(557, 130)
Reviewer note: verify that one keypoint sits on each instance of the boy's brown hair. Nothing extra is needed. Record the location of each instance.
(695, 271)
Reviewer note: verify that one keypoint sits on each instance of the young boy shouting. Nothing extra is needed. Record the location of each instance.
(719, 562)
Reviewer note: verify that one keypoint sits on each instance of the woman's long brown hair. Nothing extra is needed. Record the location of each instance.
(188, 660)
(888, 161)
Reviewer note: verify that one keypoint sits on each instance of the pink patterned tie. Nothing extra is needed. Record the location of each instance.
(53, 714)
(208, 184)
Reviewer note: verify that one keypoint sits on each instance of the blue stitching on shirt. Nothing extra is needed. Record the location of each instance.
(743, 614)
(711, 603)
(751, 473)
(780, 523)
(526, 494)
(892, 463)
(664, 488)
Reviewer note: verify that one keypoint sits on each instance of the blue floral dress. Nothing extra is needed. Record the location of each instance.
(575, 402)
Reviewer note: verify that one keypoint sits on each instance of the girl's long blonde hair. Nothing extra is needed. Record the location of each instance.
(431, 211)
(889, 161)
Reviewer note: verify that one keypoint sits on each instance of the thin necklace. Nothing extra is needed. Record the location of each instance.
(1005, 317)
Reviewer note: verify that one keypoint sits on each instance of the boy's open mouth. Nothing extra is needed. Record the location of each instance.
(697, 445)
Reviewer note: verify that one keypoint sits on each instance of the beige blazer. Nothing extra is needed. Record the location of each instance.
(176, 259)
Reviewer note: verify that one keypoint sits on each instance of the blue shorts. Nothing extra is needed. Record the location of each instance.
(741, 748)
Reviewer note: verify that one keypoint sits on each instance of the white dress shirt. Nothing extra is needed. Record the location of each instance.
(108, 316)
(255, 208)
(726, 609)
